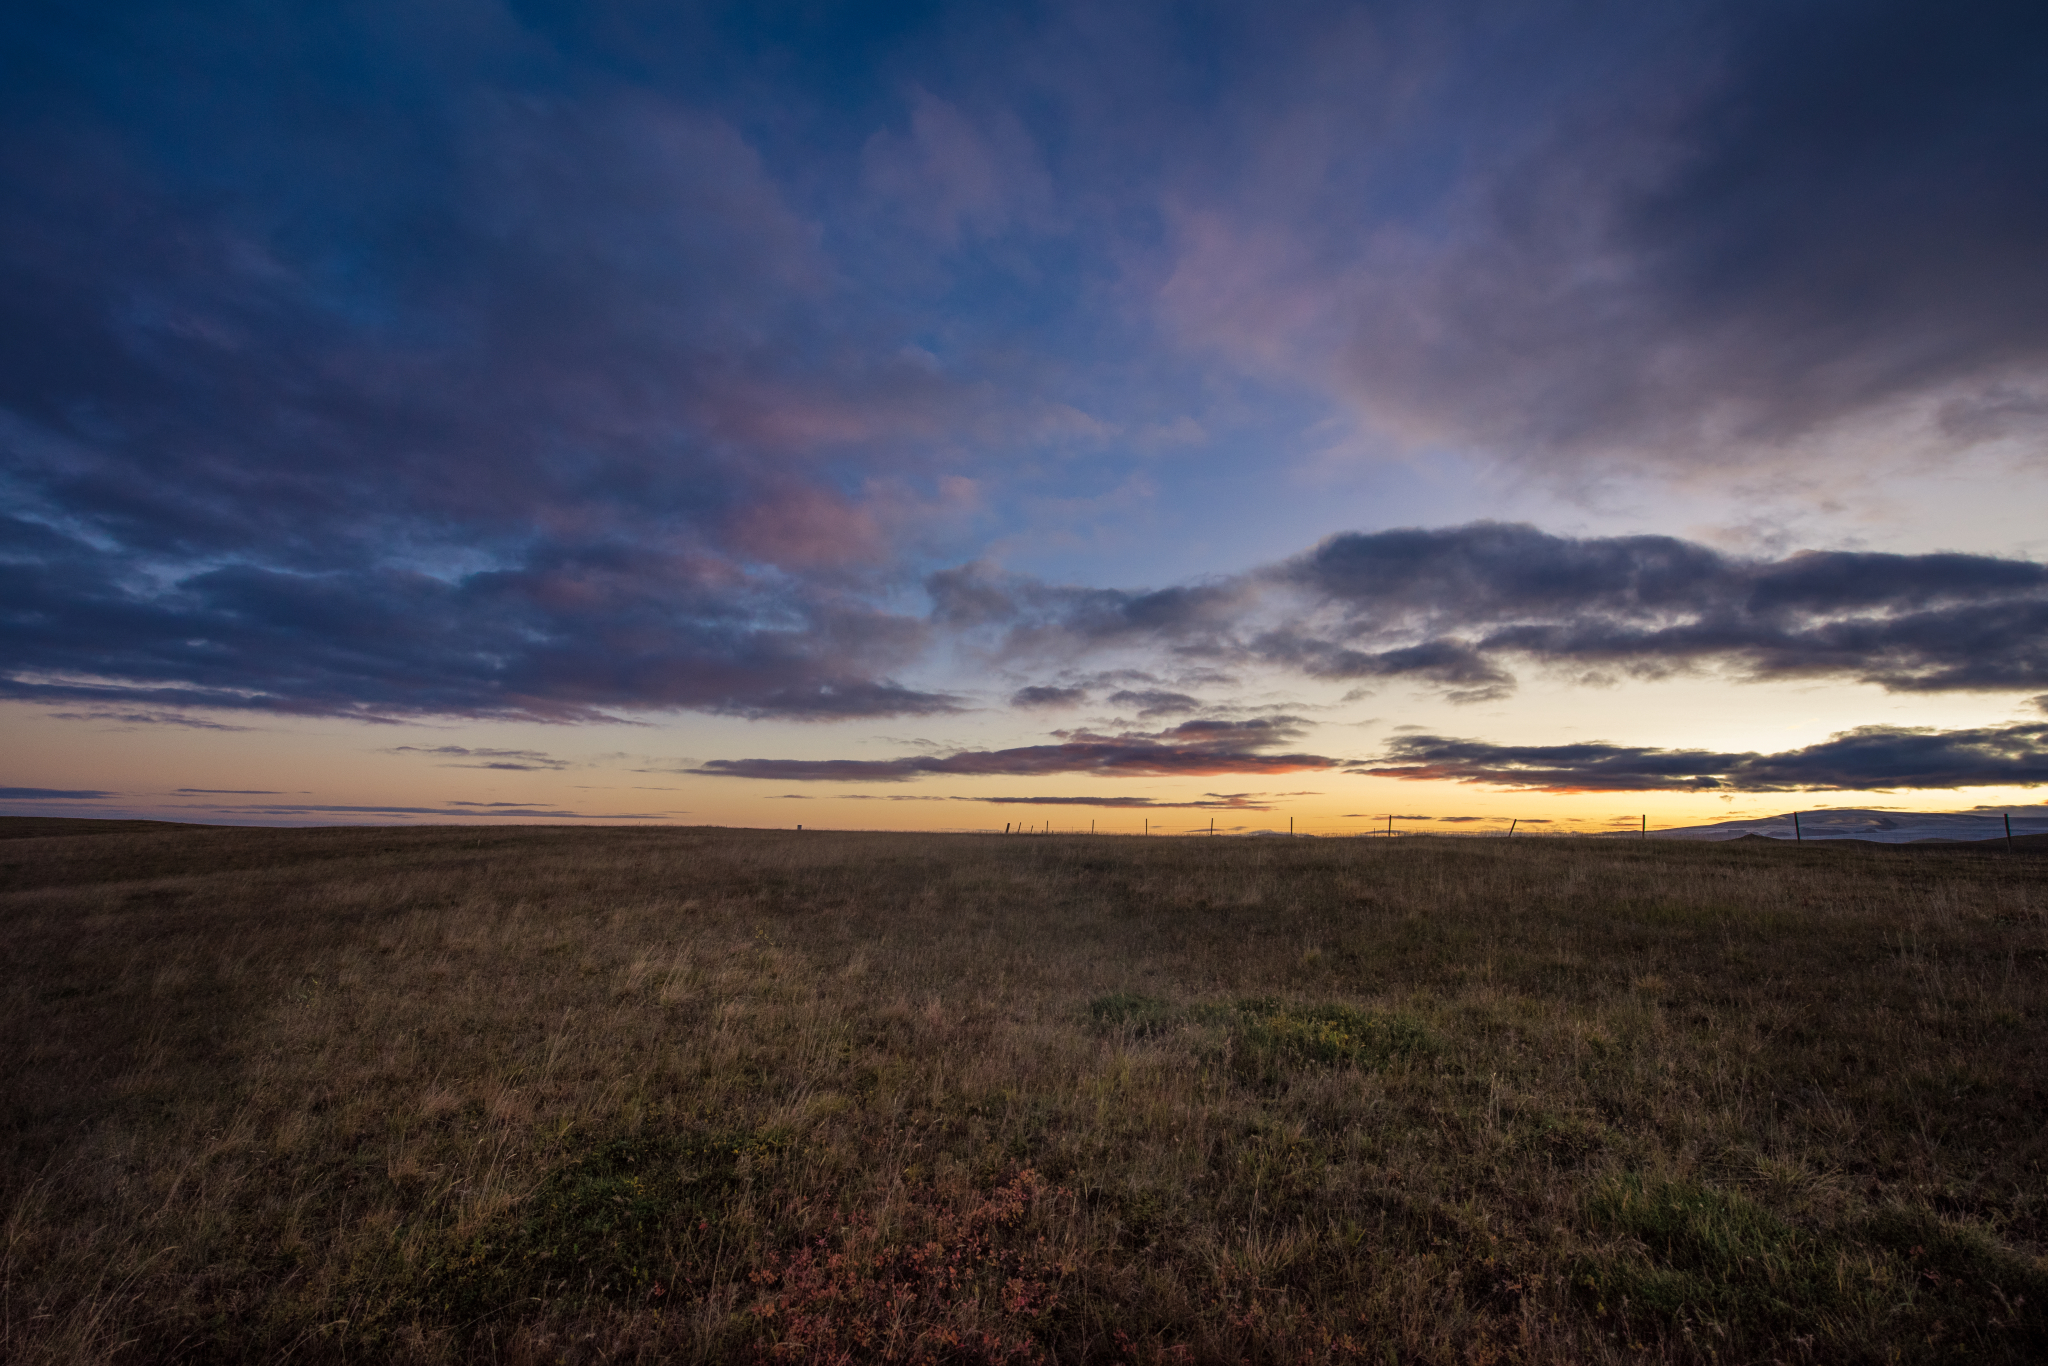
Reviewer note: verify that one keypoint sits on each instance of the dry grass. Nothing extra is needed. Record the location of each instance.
(597, 1095)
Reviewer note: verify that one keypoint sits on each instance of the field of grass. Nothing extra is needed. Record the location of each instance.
(632, 1095)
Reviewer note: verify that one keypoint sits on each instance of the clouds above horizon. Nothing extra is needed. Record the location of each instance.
(1688, 236)
(1193, 749)
(597, 363)
(1453, 608)
(1866, 759)
(509, 760)
(1235, 801)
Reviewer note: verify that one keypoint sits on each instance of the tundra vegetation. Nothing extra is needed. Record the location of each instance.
(582, 1095)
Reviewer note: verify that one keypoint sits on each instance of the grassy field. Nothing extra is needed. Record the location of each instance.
(606, 1095)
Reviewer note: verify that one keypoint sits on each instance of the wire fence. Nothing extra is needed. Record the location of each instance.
(1793, 827)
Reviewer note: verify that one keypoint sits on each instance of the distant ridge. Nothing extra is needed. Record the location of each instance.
(1869, 825)
(44, 827)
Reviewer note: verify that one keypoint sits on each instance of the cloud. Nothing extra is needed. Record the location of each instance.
(950, 176)
(1045, 695)
(227, 792)
(1456, 607)
(459, 396)
(51, 794)
(1868, 758)
(515, 760)
(590, 631)
(1481, 593)
(147, 718)
(1687, 234)
(1155, 702)
(1040, 618)
(1191, 749)
(1235, 803)
(509, 809)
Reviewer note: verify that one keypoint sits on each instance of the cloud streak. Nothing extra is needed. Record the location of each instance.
(1238, 802)
(1191, 749)
(509, 810)
(512, 760)
(1868, 758)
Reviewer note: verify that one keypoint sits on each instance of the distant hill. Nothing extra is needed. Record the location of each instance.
(43, 827)
(2029, 826)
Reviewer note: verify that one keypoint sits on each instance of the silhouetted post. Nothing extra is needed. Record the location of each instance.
(2008, 831)
(1290, 827)
(1511, 828)
(1798, 835)
(1212, 825)
(1006, 827)
(799, 827)
(1091, 827)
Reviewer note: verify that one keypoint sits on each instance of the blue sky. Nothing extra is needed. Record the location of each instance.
(1320, 410)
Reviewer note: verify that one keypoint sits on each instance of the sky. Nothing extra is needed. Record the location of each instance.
(950, 416)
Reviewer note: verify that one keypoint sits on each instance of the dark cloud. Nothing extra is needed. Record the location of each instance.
(1454, 607)
(509, 809)
(147, 718)
(1034, 616)
(1869, 758)
(593, 629)
(353, 367)
(1046, 695)
(227, 792)
(1235, 803)
(1155, 702)
(1768, 220)
(51, 794)
(514, 760)
(1481, 593)
(1191, 749)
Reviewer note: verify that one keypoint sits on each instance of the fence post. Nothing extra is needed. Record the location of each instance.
(2008, 831)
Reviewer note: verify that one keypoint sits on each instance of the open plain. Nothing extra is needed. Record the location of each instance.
(551, 1094)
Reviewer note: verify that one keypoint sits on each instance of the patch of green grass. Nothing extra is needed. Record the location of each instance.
(1708, 1255)
(1718, 1264)
(1134, 1013)
(613, 1223)
(1328, 1035)
(1271, 1039)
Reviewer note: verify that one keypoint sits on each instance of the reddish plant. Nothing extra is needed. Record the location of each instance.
(972, 1289)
